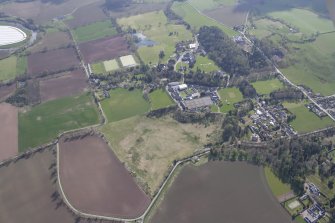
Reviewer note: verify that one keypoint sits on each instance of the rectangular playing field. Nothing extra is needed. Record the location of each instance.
(111, 65)
(42, 123)
(229, 96)
(160, 99)
(268, 86)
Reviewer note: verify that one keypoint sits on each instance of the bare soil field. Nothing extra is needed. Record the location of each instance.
(104, 49)
(80, 17)
(96, 182)
(234, 191)
(42, 13)
(28, 192)
(6, 91)
(63, 85)
(8, 131)
(227, 15)
(52, 41)
(52, 61)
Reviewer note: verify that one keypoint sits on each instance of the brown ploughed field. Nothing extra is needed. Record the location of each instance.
(28, 192)
(80, 17)
(52, 41)
(96, 182)
(66, 84)
(8, 131)
(104, 49)
(6, 91)
(52, 61)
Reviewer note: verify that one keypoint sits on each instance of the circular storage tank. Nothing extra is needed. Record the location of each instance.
(11, 35)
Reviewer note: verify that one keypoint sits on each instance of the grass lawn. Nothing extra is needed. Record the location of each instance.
(276, 185)
(195, 19)
(268, 86)
(98, 68)
(322, 185)
(305, 120)
(149, 146)
(124, 104)
(111, 65)
(229, 96)
(156, 27)
(205, 64)
(44, 122)
(11, 67)
(94, 31)
(160, 99)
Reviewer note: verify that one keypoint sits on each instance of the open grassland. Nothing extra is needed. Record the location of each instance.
(314, 65)
(106, 187)
(268, 86)
(305, 120)
(306, 21)
(156, 27)
(276, 185)
(123, 104)
(111, 65)
(98, 68)
(29, 192)
(52, 40)
(205, 64)
(211, 4)
(149, 146)
(234, 191)
(94, 31)
(160, 99)
(229, 96)
(12, 67)
(44, 122)
(195, 19)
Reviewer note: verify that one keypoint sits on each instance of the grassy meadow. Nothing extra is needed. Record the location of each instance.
(229, 96)
(276, 185)
(12, 66)
(268, 86)
(156, 27)
(305, 120)
(94, 31)
(124, 104)
(160, 99)
(43, 123)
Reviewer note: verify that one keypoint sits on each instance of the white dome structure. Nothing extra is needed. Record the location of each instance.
(11, 35)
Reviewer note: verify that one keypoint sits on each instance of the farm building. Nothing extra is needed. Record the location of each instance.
(198, 103)
(128, 61)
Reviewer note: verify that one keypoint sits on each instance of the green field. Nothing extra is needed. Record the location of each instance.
(229, 96)
(314, 65)
(203, 63)
(276, 185)
(322, 185)
(111, 65)
(268, 86)
(195, 19)
(44, 122)
(98, 68)
(155, 26)
(160, 99)
(11, 67)
(123, 104)
(94, 31)
(305, 120)
(211, 4)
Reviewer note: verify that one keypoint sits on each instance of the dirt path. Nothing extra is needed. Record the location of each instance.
(8, 131)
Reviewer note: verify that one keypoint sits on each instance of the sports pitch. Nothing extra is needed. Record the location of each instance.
(111, 65)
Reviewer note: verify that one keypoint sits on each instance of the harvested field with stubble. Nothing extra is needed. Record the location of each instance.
(104, 49)
(52, 61)
(96, 182)
(8, 131)
(220, 192)
(51, 41)
(63, 85)
(28, 192)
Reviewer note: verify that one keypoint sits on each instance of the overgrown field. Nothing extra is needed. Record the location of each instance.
(149, 146)
(268, 86)
(12, 67)
(155, 26)
(44, 122)
(229, 96)
(305, 120)
(160, 99)
(123, 104)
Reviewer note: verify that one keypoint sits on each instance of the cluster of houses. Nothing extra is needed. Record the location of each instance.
(192, 98)
(328, 103)
(316, 110)
(269, 122)
(243, 43)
